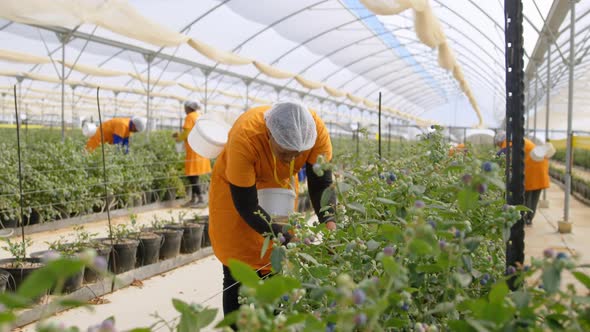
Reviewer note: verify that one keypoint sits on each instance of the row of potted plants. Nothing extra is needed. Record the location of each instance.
(62, 180)
(579, 184)
(129, 246)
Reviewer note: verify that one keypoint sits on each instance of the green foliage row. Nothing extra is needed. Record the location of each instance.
(419, 247)
(62, 180)
(581, 157)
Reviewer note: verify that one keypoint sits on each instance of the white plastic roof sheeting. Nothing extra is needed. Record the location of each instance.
(328, 52)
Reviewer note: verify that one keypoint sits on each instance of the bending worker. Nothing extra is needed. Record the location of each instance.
(117, 131)
(194, 164)
(536, 175)
(265, 148)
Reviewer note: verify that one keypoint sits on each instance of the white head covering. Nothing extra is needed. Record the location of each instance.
(192, 104)
(500, 137)
(139, 122)
(291, 125)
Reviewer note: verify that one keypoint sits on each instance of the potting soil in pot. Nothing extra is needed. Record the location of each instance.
(19, 273)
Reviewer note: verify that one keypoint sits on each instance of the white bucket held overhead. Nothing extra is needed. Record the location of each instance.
(88, 129)
(277, 201)
(541, 152)
(209, 135)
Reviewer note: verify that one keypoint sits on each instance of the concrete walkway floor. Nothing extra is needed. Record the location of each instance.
(543, 233)
(134, 306)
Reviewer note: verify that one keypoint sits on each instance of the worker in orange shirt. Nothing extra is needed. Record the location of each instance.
(194, 164)
(266, 147)
(117, 131)
(536, 175)
(459, 148)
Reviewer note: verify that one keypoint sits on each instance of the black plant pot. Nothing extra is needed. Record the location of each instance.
(148, 250)
(4, 277)
(18, 274)
(204, 222)
(33, 218)
(91, 275)
(192, 236)
(72, 283)
(8, 222)
(170, 194)
(171, 242)
(123, 255)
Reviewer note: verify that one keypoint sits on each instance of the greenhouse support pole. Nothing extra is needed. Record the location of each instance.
(514, 131)
(527, 106)
(3, 108)
(116, 93)
(148, 58)
(464, 135)
(536, 102)
(379, 130)
(73, 97)
(206, 91)
(545, 202)
(565, 226)
(63, 89)
(248, 82)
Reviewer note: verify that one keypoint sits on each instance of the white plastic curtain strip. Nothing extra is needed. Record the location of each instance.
(429, 32)
(120, 17)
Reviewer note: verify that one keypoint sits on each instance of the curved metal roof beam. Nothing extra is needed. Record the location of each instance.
(366, 72)
(273, 24)
(340, 49)
(471, 24)
(478, 45)
(357, 19)
(468, 66)
(376, 67)
(386, 85)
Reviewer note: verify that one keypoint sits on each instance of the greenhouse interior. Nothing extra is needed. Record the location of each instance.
(220, 165)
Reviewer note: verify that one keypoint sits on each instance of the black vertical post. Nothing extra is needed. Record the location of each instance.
(379, 125)
(514, 128)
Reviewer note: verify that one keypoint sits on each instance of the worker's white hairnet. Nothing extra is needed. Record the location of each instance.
(291, 125)
(139, 122)
(192, 105)
(500, 137)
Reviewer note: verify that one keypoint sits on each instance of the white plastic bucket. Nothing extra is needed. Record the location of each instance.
(209, 135)
(179, 146)
(541, 152)
(88, 129)
(277, 201)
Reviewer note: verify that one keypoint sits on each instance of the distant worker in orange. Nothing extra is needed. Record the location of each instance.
(117, 131)
(536, 175)
(459, 148)
(194, 164)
